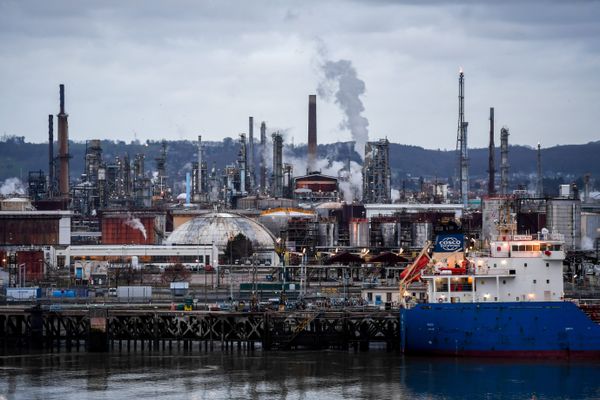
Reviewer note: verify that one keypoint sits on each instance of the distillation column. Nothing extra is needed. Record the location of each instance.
(504, 160)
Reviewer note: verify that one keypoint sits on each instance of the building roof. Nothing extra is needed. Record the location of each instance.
(218, 228)
(316, 177)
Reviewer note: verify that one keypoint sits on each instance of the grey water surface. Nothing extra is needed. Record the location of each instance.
(290, 375)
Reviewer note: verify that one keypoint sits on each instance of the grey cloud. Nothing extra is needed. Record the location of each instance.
(161, 68)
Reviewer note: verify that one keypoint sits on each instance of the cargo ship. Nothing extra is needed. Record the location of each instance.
(508, 302)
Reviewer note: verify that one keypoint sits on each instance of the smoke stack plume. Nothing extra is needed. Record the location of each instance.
(63, 146)
(312, 132)
(342, 81)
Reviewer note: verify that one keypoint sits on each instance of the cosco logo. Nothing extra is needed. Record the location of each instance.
(450, 244)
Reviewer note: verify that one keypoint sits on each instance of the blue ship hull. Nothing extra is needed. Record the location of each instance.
(539, 329)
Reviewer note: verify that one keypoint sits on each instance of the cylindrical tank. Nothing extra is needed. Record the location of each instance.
(389, 234)
(359, 232)
(421, 233)
(328, 234)
(277, 220)
(564, 216)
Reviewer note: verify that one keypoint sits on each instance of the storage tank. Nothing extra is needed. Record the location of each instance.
(421, 233)
(389, 234)
(359, 232)
(277, 220)
(564, 217)
(328, 234)
(122, 228)
(590, 230)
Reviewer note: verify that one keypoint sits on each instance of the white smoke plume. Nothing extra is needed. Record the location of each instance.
(340, 79)
(350, 181)
(267, 154)
(12, 186)
(135, 223)
(587, 243)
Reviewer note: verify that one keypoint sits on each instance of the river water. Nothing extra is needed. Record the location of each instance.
(289, 375)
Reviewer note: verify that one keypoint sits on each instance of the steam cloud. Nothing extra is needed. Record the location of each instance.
(341, 80)
(587, 243)
(350, 181)
(135, 223)
(12, 186)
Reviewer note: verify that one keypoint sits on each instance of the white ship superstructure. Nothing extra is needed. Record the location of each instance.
(517, 268)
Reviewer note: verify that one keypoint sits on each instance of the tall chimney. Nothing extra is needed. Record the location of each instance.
(242, 162)
(586, 187)
(504, 160)
(199, 172)
(277, 188)
(312, 132)
(63, 146)
(492, 149)
(251, 153)
(263, 164)
(539, 190)
(50, 156)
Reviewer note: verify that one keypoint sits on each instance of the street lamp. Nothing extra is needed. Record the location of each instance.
(303, 273)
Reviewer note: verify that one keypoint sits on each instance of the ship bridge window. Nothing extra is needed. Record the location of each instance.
(556, 247)
(521, 247)
(536, 247)
(528, 247)
(543, 246)
(515, 247)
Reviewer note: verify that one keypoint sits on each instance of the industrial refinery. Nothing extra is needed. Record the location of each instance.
(269, 218)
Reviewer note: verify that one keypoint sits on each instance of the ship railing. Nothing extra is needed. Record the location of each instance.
(551, 236)
(481, 271)
(585, 302)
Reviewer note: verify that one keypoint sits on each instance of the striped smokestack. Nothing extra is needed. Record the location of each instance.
(312, 132)
(63, 146)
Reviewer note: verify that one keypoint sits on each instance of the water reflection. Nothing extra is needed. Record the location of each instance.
(289, 375)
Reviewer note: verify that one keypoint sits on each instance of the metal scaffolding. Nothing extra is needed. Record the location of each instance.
(376, 173)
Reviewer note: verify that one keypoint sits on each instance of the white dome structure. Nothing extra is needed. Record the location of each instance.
(218, 228)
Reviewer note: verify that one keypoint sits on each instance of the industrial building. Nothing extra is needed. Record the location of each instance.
(123, 211)
(376, 173)
(316, 188)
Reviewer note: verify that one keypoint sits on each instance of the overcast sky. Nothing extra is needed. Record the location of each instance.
(176, 69)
